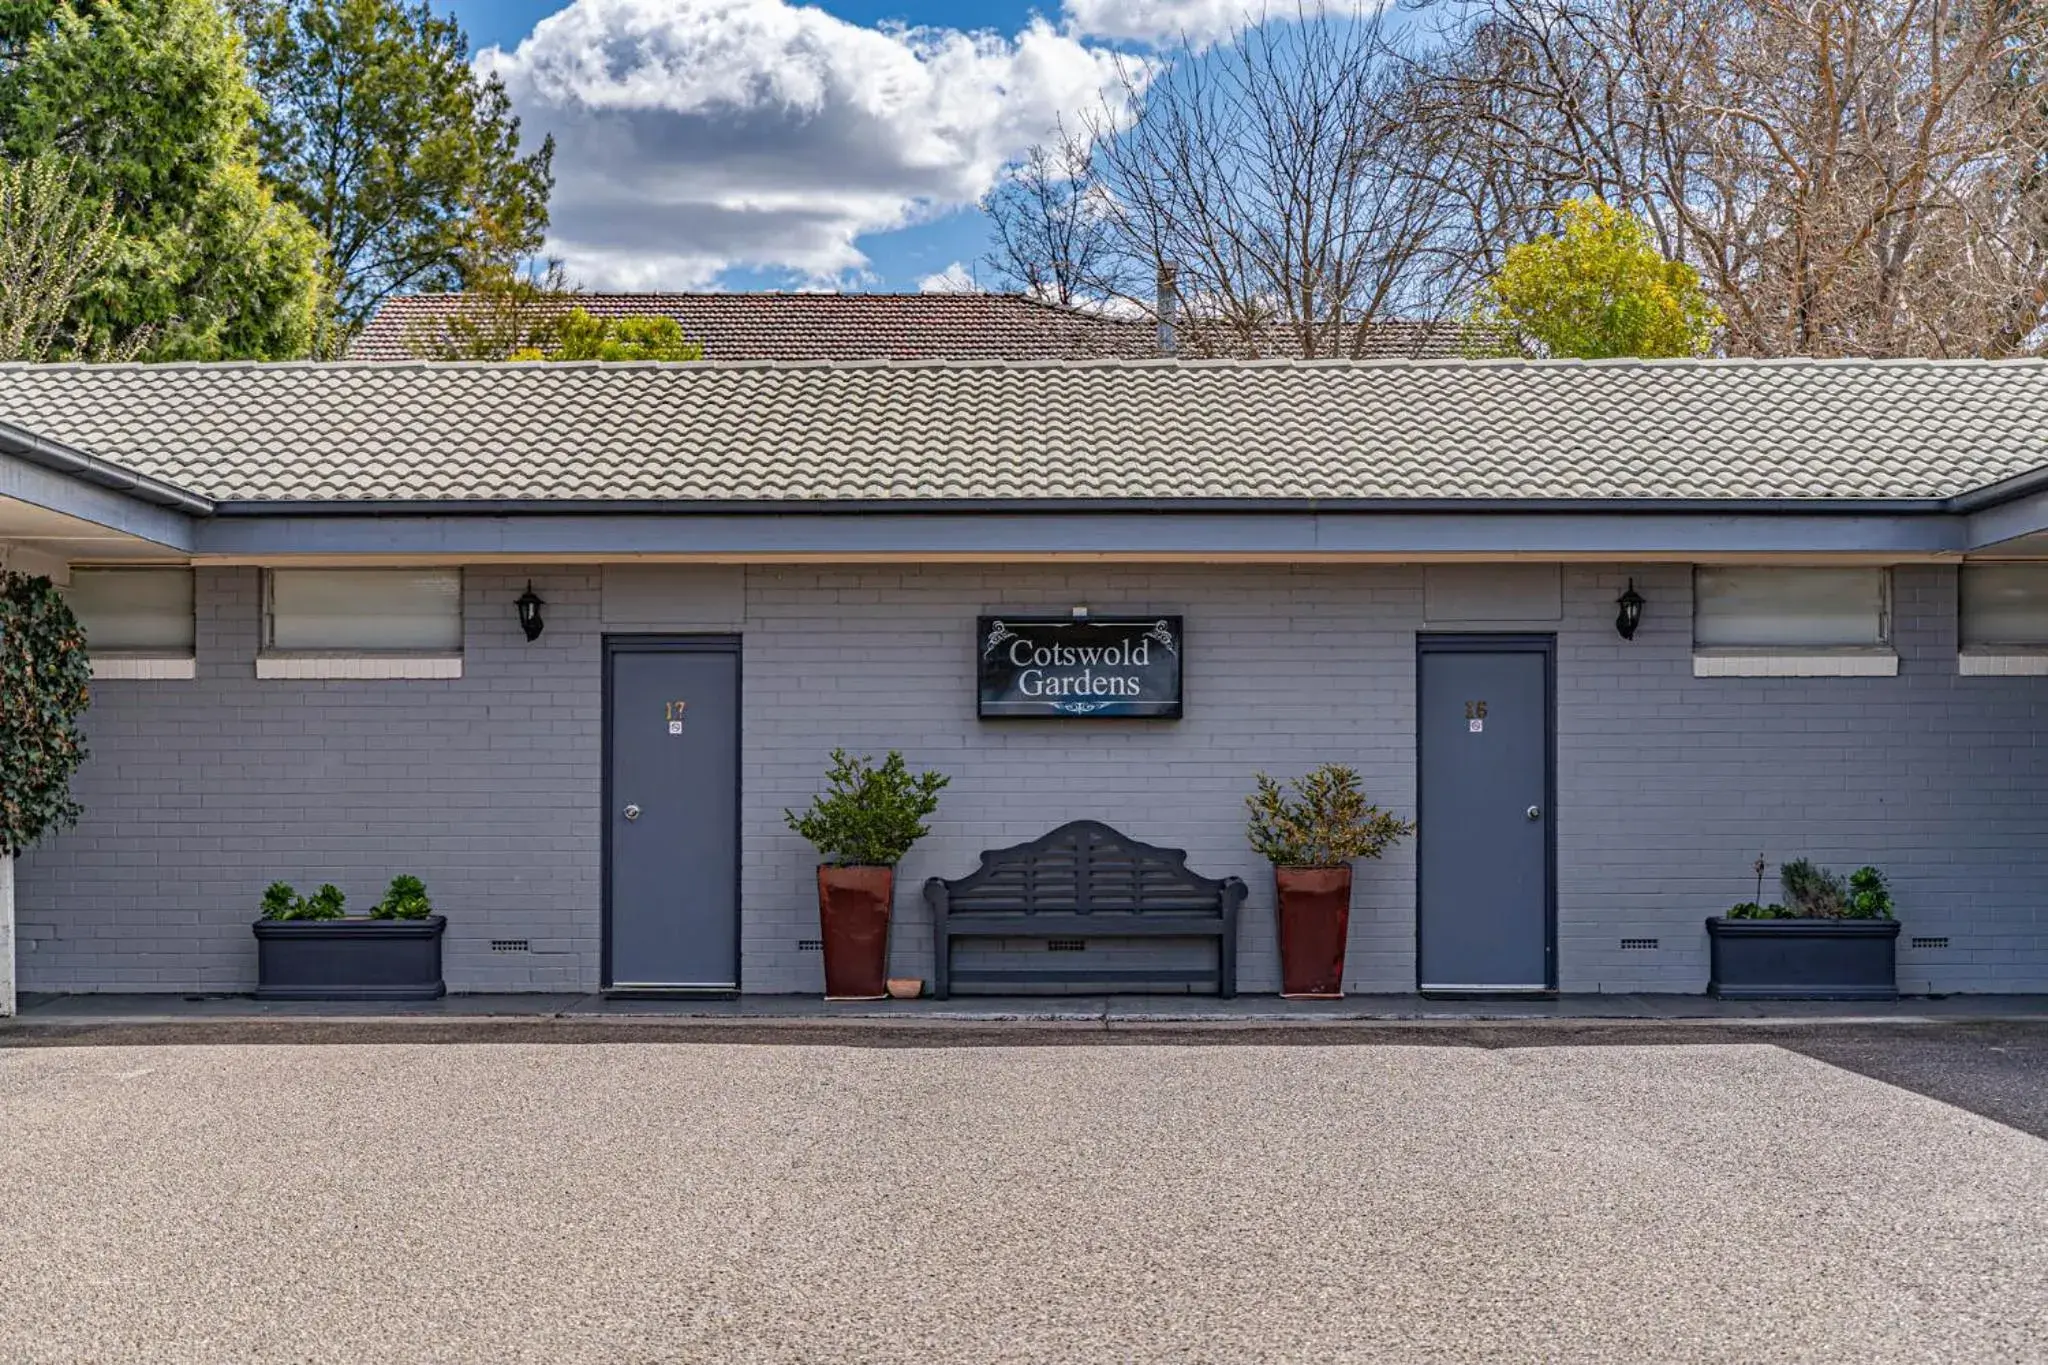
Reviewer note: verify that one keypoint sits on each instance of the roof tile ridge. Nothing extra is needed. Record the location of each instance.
(1192, 364)
(1068, 309)
(1733, 362)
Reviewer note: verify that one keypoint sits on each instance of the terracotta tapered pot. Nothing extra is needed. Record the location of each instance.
(1315, 921)
(853, 913)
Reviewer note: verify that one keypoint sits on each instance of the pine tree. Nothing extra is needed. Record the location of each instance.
(152, 100)
(380, 131)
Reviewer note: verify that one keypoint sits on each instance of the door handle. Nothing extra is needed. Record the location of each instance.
(633, 813)
(1535, 812)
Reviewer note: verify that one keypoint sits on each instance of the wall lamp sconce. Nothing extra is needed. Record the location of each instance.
(1631, 614)
(1080, 616)
(529, 605)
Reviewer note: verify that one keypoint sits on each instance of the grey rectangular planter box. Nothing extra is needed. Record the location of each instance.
(1803, 959)
(349, 959)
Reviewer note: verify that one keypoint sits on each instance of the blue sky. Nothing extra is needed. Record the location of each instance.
(766, 143)
(504, 22)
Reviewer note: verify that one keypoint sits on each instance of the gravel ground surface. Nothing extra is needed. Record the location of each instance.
(731, 1202)
(1994, 1067)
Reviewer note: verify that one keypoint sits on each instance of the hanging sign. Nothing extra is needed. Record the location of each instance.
(1063, 666)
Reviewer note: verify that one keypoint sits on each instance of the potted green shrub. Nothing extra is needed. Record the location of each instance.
(1312, 831)
(1831, 938)
(311, 948)
(862, 824)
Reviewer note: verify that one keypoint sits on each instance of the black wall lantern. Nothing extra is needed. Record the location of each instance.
(529, 605)
(1631, 614)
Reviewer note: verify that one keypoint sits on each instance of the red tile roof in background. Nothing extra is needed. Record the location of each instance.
(795, 327)
(823, 326)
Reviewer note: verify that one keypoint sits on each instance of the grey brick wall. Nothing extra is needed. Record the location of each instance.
(1284, 669)
(200, 793)
(1669, 786)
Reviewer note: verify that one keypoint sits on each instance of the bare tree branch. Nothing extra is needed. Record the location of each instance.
(1284, 174)
(1851, 177)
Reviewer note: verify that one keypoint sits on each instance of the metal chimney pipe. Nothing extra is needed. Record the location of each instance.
(1168, 307)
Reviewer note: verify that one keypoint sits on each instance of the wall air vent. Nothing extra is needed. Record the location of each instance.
(1066, 945)
(1941, 942)
(1635, 944)
(810, 945)
(511, 945)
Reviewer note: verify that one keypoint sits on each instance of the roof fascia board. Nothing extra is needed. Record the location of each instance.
(67, 460)
(1027, 507)
(2010, 518)
(736, 533)
(2004, 491)
(39, 485)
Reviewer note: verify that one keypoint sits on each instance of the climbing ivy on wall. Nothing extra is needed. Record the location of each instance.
(45, 684)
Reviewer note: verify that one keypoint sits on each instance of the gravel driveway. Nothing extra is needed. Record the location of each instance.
(726, 1202)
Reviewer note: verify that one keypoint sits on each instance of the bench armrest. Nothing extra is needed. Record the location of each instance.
(937, 897)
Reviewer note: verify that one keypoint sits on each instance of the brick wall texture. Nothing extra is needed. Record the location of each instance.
(199, 793)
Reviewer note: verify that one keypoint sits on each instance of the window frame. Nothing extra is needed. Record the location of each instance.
(358, 661)
(168, 663)
(1996, 658)
(1789, 659)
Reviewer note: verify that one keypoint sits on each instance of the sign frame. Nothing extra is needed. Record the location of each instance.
(996, 678)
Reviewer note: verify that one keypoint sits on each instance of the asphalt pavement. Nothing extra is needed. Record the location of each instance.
(547, 1191)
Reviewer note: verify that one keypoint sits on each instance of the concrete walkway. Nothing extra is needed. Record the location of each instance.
(72, 1010)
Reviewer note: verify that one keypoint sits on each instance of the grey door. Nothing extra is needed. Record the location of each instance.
(1484, 900)
(672, 731)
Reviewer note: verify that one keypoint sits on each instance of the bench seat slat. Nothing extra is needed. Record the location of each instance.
(1098, 904)
(1063, 976)
(1097, 925)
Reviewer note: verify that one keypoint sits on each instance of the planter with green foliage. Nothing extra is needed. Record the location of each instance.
(45, 685)
(862, 824)
(1312, 837)
(1831, 938)
(311, 948)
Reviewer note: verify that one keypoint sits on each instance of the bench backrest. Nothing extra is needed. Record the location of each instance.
(1087, 868)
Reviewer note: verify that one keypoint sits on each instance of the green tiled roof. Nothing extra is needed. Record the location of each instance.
(994, 431)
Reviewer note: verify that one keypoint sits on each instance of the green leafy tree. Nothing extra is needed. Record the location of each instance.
(579, 336)
(512, 303)
(153, 101)
(45, 685)
(55, 239)
(381, 132)
(1598, 289)
(20, 22)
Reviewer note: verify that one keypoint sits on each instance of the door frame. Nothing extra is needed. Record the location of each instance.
(615, 645)
(1427, 642)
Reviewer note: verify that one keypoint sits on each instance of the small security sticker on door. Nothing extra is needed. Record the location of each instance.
(675, 727)
(1475, 725)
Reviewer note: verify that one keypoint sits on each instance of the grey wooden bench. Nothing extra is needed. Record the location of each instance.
(1083, 881)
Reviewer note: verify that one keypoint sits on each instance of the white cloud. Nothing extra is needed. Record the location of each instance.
(954, 279)
(1163, 23)
(697, 135)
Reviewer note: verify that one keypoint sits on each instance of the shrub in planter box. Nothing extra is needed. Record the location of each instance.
(1830, 939)
(310, 948)
(1312, 837)
(865, 821)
